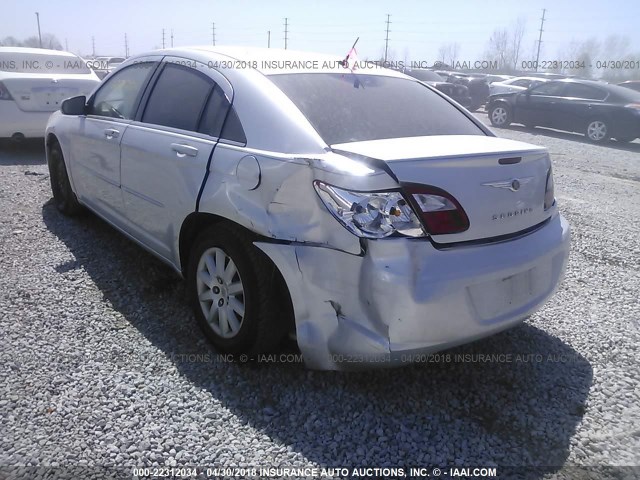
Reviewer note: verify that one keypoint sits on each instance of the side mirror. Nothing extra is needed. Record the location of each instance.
(74, 106)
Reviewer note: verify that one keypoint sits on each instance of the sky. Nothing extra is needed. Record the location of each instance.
(417, 28)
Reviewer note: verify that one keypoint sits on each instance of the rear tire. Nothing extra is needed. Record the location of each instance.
(500, 115)
(235, 291)
(63, 197)
(597, 131)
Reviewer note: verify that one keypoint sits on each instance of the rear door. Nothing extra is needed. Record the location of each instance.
(165, 153)
(95, 154)
(581, 102)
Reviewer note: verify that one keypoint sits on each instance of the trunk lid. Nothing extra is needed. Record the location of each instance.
(45, 93)
(479, 171)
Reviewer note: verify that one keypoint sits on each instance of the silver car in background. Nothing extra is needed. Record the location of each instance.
(364, 213)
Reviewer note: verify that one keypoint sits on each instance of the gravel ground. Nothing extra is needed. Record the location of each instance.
(103, 364)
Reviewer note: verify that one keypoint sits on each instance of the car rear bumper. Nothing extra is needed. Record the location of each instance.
(405, 297)
(13, 120)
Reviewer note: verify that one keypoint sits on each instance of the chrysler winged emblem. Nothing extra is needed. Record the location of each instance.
(514, 184)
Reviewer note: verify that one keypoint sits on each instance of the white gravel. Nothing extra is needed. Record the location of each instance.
(104, 366)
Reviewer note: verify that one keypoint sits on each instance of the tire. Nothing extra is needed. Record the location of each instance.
(500, 115)
(597, 131)
(244, 308)
(63, 197)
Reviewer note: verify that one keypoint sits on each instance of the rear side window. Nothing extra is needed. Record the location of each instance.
(178, 98)
(118, 97)
(214, 117)
(351, 108)
(578, 90)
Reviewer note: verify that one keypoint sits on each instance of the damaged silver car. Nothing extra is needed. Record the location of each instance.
(359, 210)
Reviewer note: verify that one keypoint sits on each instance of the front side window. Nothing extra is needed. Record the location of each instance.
(178, 98)
(351, 108)
(118, 97)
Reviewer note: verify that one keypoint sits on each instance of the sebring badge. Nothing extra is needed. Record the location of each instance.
(513, 184)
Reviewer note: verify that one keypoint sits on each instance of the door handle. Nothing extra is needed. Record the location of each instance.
(183, 150)
(111, 133)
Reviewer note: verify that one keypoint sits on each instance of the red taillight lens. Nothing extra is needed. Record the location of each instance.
(440, 212)
(4, 93)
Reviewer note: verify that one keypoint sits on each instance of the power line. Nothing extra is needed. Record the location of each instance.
(286, 32)
(544, 10)
(386, 41)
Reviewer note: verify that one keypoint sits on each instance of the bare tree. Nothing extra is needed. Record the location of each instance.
(517, 33)
(48, 41)
(497, 49)
(448, 53)
(10, 42)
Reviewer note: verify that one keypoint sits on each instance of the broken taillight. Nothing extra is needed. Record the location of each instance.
(439, 211)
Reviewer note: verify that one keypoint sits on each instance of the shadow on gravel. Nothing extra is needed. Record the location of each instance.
(28, 152)
(513, 400)
(574, 137)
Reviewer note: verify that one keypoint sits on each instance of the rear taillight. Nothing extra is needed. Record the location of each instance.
(549, 194)
(4, 93)
(439, 211)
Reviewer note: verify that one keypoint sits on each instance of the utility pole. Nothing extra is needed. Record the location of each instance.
(39, 34)
(66, 45)
(93, 43)
(386, 40)
(126, 47)
(172, 38)
(286, 33)
(269, 39)
(213, 31)
(163, 38)
(544, 10)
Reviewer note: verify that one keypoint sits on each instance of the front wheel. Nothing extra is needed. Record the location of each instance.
(63, 197)
(597, 131)
(500, 115)
(235, 292)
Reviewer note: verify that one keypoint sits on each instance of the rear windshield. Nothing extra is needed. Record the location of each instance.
(39, 63)
(347, 108)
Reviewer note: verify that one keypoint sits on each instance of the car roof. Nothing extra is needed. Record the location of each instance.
(35, 51)
(270, 61)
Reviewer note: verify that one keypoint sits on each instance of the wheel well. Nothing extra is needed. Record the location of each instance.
(197, 222)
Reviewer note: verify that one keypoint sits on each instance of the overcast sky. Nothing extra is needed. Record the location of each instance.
(418, 27)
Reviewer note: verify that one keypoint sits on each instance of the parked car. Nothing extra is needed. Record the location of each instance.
(492, 78)
(363, 212)
(476, 83)
(103, 66)
(597, 109)
(632, 84)
(516, 84)
(33, 83)
(457, 92)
